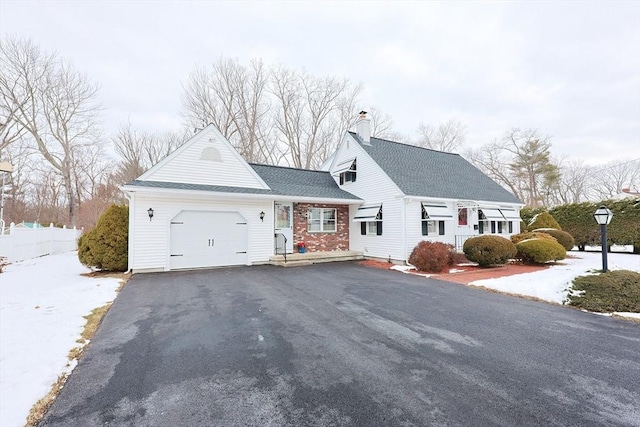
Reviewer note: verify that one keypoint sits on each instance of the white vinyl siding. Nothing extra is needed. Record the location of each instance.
(186, 164)
(413, 213)
(374, 187)
(152, 238)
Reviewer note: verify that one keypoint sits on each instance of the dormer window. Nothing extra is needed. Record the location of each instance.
(347, 171)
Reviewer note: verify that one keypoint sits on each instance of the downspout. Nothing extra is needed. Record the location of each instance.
(404, 228)
(130, 197)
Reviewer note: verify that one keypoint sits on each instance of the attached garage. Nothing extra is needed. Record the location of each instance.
(208, 239)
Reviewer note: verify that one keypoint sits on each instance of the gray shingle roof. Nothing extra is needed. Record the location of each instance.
(429, 173)
(301, 182)
(283, 181)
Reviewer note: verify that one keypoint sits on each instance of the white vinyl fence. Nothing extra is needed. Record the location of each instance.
(24, 243)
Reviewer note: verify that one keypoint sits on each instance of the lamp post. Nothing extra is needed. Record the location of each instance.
(603, 217)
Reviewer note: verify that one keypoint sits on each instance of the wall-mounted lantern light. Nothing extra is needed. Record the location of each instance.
(262, 216)
(150, 212)
(603, 217)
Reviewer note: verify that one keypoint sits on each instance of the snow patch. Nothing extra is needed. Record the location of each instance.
(554, 284)
(42, 304)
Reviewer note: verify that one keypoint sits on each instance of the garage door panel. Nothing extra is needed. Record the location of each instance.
(208, 239)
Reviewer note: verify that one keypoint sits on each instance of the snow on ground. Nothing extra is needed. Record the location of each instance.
(42, 304)
(552, 284)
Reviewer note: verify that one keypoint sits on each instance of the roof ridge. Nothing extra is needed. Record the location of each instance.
(408, 145)
(287, 167)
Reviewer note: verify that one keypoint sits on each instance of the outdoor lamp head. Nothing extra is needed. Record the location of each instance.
(150, 212)
(603, 215)
(262, 216)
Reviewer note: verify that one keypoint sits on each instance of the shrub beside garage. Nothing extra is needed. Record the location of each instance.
(106, 246)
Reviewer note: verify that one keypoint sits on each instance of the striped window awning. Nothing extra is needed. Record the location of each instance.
(343, 166)
(492, 214)
(510, 214)
(436, 211)
(368, 213)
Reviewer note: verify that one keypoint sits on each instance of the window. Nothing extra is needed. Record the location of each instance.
(321, 220)
(371, 228)
(348, 175)
(429, 227)
(370, 224)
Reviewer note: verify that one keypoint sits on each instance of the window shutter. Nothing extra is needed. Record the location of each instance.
(342, 178)
(379, 230)
(441, 228)
(425, 228)
(493, 227)
(481, 227)
(500, 227)
(363, 228)
(353, 176)
(510, 226)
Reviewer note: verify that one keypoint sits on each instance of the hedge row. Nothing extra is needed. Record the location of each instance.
(577, 220)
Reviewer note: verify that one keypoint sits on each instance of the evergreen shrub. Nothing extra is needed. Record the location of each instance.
(489, 250)
(432, 256)
(564, 238)
(544, 220)
(527, 235)
(106, 246)
(540, 251)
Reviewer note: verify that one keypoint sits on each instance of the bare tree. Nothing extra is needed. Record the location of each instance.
(275, 115)
(448, 136)
(139, 150)
(573, 186)
(492, 159)
(521, 161)
(609, 180)
(55, 104)
(234, 98)
(311, 113)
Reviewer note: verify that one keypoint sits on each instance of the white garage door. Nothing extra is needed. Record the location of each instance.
(208, 239)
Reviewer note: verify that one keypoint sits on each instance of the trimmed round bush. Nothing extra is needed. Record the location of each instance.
(527, 235)
(432, 256)
(564, 238)
(106, 246)
(489, 250)
(544, 220)
(540, 251)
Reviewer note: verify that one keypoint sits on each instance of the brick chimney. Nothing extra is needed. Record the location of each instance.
(363, 128)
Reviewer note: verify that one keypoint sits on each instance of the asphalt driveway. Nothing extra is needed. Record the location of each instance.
(343, 344)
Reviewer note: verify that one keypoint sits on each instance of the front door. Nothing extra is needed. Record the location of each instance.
(283, 216)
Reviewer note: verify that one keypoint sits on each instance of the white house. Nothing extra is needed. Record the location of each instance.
(205, 206)
(412, 194)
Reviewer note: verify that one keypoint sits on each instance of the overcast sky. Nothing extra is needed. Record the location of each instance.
(569, 69)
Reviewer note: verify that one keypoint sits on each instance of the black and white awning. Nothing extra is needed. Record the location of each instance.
(368, 213)
(436, 211)
(343, 166)
(492, 214)
(510, 214)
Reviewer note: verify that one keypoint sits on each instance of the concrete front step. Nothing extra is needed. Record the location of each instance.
(297, 259)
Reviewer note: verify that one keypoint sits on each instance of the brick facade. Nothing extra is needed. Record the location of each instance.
(316, 241)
